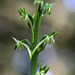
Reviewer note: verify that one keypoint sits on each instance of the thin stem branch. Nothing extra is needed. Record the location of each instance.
(29, 51)
(39, 45)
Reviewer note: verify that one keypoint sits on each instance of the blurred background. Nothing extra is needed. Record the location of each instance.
(60, 56)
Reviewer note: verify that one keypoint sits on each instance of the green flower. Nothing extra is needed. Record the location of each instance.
(39, 2)
(47, 8)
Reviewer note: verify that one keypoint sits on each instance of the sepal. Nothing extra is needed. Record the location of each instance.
(18, 44)
(39, 2)
(52, 5)
(42, 70)
(15, 47)
(47, 8)
(22, 12)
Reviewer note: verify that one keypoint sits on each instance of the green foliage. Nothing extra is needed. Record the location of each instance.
(20, 44)
(34, 23)
(43, 45)
(42, 70)
(47, 39)
(22, 13)
(39, 2)
(26, 41)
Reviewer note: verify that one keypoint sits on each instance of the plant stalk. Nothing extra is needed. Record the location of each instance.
(36, 39)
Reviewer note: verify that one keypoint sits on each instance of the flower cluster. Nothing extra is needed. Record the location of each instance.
(34, 23)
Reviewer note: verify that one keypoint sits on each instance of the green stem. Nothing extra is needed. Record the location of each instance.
(47, 38)
(29, 51)
(36, 39)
